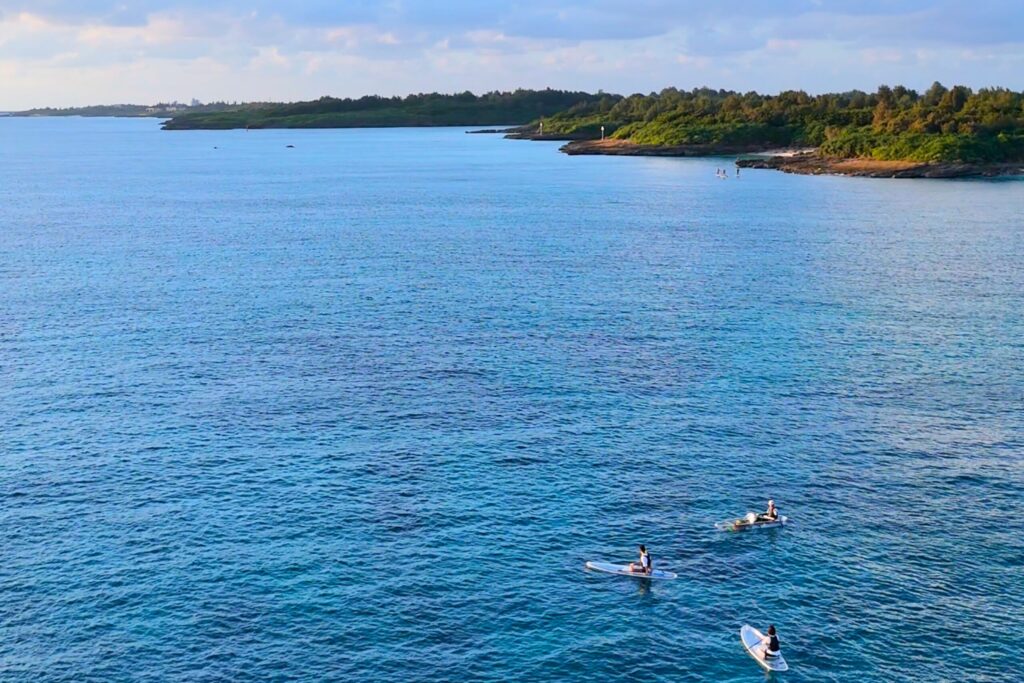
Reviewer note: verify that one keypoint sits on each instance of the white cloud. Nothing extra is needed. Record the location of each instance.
(148, 50)
(696, 62)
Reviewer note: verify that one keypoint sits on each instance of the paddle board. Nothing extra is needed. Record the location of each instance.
(753, 643)
(741, 524)
(623, 570)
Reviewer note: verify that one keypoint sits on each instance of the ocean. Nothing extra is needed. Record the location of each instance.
(363, 407)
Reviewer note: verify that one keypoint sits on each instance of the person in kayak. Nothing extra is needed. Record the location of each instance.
(771, 644)
(771, 515)
(645, 565)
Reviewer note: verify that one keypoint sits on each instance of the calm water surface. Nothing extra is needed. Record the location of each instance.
(364, 407)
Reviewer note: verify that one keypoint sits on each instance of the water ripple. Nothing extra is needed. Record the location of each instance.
(328, 414)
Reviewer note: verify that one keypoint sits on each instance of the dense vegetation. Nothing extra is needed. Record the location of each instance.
(941, 124)
(464, 109)
(955, 124)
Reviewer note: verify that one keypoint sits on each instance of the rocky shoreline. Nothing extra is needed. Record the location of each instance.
(812, 164)
(521, 134)
(627, 148)
(791, 161)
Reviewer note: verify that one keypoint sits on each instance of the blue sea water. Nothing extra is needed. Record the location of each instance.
(362, 409)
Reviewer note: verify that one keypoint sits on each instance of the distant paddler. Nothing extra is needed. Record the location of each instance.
(643, 568)
(769, 515)
(764, 649)
(644, 565)
(756, 520)
(772, 650)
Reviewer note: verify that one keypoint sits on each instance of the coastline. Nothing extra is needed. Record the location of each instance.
(813, 164)
(626, 148)
(802, 161)
(534, 136)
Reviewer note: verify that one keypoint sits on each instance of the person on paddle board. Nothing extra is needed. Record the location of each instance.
(771, 643)
(771, 515)
(644, 566)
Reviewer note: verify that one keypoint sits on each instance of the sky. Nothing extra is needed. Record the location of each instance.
(77, 52)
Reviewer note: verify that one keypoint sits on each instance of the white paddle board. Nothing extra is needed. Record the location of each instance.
(742, 525)
(623, 570)
(753, 643)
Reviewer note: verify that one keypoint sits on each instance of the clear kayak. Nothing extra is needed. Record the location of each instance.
(753, 643)
(744, 524)
(623, 570)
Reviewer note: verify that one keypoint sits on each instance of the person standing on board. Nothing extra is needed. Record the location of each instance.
(644, 566)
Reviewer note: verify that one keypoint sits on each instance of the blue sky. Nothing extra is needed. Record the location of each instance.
(72, 52)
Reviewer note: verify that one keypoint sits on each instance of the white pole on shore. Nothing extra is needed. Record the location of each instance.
(602, 132)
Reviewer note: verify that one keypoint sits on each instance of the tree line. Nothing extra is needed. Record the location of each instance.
(940, 124)
(423, 109)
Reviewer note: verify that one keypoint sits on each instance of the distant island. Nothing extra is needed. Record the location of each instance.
(433, 109)
(892, 132)
(159, 110)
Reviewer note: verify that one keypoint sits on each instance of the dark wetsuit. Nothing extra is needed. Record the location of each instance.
(773, 646)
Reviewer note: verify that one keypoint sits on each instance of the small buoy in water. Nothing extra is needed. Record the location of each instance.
(290, 146)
